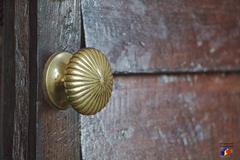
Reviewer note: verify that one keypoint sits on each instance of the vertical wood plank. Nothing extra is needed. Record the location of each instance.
(59, 29)
(33, 79)
(21, 111)
(1, 79)
(1, 92)
(15, 105)
(8, 80)
(1, 13)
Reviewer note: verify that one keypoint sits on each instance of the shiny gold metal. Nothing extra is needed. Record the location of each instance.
(83, 80)
(53, 75)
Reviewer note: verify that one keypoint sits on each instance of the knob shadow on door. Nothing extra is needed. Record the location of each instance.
(82, 79)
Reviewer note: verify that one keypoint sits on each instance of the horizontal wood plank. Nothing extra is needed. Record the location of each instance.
(166, 35)
(165, 117)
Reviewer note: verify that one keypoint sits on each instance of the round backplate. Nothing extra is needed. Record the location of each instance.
(53, 79)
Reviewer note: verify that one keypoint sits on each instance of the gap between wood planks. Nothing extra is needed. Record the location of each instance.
(118, 74)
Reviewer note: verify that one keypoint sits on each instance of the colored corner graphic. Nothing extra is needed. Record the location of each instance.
(226, 151)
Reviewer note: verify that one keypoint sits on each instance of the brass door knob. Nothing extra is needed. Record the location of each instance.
(83, 79)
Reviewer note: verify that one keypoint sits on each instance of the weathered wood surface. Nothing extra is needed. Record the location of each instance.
(1, 13)
(22, 108)
(165, 117)
(1, 93)
(8, 88)
(166, 35)
(59, 29)
(15, 78)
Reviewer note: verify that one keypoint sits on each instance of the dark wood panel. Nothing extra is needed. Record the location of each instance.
(8, 88)
(165, 35)
(22, 108)
(15, 105)
(1, 92)
(59, 29)
(33, 79)
(1, 12)
(165, 117)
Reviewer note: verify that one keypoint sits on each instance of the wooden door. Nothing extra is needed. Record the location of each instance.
(176, 92)
(176, 88)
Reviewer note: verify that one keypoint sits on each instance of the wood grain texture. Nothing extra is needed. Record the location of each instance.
(1, 92)
(22, 51)
(33, 79)
(59, 29)
(165, 117)
(8, 89)
(1, 12)
(15, 106)
(166, 35)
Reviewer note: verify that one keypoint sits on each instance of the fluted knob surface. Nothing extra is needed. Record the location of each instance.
(88, 81)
